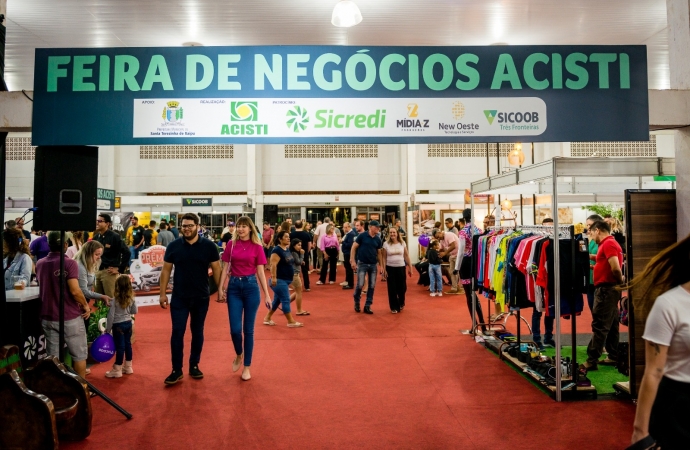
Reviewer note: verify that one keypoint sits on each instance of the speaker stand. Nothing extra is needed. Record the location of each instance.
(61, 344)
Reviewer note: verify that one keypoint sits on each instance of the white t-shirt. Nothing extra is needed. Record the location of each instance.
(395, 254)
(320, 232)
(669, 324)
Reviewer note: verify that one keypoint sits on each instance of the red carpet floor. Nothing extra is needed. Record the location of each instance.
(345, 380)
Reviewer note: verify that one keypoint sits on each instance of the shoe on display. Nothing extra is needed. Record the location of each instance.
(550, 343)
(195, 373)
(174, 377)
(367, 310)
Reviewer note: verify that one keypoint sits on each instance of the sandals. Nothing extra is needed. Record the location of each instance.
(303, 313)
(295, 325)
(269, 323)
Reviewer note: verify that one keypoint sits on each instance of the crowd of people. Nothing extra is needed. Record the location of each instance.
(248, 263)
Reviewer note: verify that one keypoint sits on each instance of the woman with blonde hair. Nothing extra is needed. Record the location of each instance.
(17, 264)
(245, 261)
(662, 290)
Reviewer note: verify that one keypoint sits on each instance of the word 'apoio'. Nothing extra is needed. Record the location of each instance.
(331, 72)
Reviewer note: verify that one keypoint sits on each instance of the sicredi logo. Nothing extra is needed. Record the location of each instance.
(327, 118)
(297, 119)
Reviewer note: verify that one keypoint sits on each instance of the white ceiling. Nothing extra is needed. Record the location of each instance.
(151, 23)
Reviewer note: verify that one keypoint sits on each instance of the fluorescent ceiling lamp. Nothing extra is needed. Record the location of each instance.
(346, 14)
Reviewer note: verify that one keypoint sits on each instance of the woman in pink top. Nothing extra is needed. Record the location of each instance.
(245, 261)
(330, 246)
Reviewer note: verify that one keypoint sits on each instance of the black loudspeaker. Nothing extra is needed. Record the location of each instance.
(65, 188)
(271, 214)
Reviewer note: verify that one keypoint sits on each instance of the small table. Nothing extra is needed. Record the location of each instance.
(25, 330)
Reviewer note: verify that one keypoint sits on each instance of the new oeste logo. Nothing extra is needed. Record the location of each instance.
(297, 119)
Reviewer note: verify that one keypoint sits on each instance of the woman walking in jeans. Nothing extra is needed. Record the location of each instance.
(245, 261)
(330, 246)
(435, 275)
(395, 259)
(282, 274)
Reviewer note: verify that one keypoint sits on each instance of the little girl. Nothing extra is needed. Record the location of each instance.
(435, 276)
(120, 323)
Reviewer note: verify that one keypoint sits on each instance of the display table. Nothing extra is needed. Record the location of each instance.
(25, 331)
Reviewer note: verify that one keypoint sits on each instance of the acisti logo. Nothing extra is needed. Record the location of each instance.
(490, 115)
(244, 111)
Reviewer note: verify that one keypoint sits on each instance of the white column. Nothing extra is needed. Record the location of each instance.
(678, 19)
(303, 212)
(353, 215)
(410, 174)
(254, 179)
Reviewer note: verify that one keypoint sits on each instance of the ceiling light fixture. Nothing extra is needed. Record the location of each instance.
(516, 157)
(346, 14)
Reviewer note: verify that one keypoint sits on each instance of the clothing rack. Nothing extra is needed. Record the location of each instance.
(564, 232)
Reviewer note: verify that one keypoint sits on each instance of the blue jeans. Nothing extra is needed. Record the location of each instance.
(243, 304)
(362, 271)
(436, 278)
(134, 253)
(122, 335)
(282, 295)
(536, 326)
(180, 310)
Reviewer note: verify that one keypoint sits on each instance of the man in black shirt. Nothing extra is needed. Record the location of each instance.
(137, 232)
(150, 235)
(114, 259)
(191, 257)
(306, 239)
(364, 258)
(227, 236)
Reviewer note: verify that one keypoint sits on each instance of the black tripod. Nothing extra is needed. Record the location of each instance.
(61, 346)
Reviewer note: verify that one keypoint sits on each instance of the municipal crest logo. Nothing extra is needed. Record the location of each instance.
(172, 112)
(244, 111)
(297, 119)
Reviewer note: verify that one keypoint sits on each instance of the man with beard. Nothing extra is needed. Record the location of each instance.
(191, 257)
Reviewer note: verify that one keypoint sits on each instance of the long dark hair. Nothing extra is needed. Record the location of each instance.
(665, 271)
(293, 243)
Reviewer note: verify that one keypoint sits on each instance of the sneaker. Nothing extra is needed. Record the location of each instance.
(439, 294)
(307, 290)
(394, 311)
(195, 373)
(550, 343)
(433, 294)
(319, 282)
(174, 377)
(344, 283)
(540, 346)
(331, 282)
(347, 287)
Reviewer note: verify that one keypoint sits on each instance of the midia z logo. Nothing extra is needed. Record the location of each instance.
(297, 119)
(490, 115)
(412, 124)
(244, 111)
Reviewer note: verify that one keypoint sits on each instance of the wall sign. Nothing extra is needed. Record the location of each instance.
(195, 201)
(339, 94)
(105, 200)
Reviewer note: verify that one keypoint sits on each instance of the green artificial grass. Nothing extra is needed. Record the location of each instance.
(603, 379)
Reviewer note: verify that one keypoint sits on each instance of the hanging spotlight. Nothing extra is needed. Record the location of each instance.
(516, 157)
(506, 205)
(346, 14)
